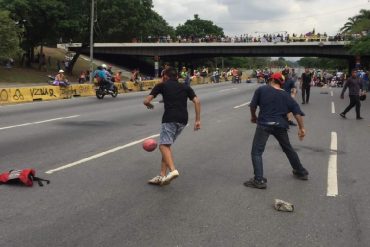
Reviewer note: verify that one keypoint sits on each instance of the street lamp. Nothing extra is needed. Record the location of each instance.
(92, 42)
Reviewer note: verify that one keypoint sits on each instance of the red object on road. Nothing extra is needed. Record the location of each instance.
(150, 145)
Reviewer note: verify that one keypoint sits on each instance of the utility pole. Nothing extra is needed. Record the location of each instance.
(92, 41)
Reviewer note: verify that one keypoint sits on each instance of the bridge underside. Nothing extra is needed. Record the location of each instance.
(222, 50)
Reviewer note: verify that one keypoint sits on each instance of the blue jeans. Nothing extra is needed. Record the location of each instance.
(259, 143)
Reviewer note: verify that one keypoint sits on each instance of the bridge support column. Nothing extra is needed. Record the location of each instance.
(156, 66)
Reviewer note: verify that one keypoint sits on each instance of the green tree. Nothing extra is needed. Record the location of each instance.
(199, 28)
(347, 27)
(116, 21)
(40, 19)
(361, 46)
(9, 36)
(323, 63)
(48, 21)
(360, 25)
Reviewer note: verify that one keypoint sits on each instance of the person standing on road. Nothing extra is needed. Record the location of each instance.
(175, 118)
(354, 84)
(290, 88)
(305, 85)
(187, 80)
(274, 104)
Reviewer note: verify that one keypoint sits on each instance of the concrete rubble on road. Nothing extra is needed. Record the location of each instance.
(284, 206)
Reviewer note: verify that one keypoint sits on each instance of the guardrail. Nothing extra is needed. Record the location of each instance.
(16, 95)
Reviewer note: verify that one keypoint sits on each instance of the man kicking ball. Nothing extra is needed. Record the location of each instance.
(174, 120)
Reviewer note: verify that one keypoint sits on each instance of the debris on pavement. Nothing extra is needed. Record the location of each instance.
(284, 206)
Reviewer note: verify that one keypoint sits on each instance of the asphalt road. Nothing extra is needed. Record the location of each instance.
(105, 201)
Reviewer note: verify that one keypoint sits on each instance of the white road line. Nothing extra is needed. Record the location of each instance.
(228, 89)
(332, 107)
(331, 93)
(82, 161)
(332, 167)
(39, 122)
(238, 106)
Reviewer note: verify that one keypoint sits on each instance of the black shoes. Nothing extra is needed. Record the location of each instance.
(257, 184)
(302, 175)
(262, 184)
(303, 103)
(344, 116)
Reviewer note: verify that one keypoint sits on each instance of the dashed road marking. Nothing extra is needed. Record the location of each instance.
(331, 93)
(332, 107)
(245, 104)
(39, 122)
(332, 189)
(96, 156)
(228, 89)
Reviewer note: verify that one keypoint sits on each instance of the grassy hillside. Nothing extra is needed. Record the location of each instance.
(33, 75)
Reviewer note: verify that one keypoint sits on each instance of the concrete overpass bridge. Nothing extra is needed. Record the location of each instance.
(188, 51)
(281, 49)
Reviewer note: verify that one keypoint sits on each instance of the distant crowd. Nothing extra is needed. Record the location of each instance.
(249, 38)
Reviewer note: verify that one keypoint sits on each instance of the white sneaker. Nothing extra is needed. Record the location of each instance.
(156, 180)
(170, 176)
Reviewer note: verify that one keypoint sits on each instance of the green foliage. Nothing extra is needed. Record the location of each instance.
(9, 36)
(123, 20)
(359, 24)
(323, 63)
(40, 19)
(198, 28)
(117, 20)
(363, 25)
(361, 46)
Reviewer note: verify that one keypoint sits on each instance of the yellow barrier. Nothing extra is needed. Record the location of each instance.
(44, 93)
(29, 94)
(131, 86)
(83, 90)
(15, 95)
(120, 87)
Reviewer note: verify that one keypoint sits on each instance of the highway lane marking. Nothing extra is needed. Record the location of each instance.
(228, 89)
(238, 106)
(332, 107)
(39, 122)
(96, 156)
(331, 93)
(332, 189)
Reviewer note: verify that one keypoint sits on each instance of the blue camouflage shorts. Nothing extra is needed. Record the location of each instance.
(169, 132)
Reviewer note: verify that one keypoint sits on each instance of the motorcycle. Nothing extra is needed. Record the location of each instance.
(52, 80)
(236, 79)
(102, 89)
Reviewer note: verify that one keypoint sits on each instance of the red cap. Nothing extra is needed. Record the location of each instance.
(278, 77)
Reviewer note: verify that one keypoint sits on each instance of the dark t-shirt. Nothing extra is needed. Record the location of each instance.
(274, 106)
(289, 85)
(175, 97)
(306, 79)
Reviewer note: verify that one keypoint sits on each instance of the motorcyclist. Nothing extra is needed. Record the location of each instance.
(60, 79)
(101, 76)
(108, 77)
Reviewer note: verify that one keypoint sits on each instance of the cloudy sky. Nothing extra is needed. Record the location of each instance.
(250, 16)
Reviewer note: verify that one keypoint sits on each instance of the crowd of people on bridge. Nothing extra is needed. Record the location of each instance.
(258, 37)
